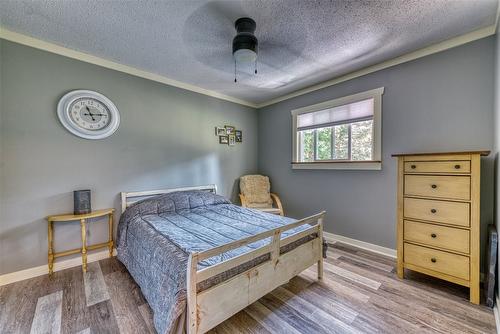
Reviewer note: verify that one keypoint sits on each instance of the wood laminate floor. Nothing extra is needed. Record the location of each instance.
(360, 293)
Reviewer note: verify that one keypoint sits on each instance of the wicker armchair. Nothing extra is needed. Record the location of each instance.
(255, 193)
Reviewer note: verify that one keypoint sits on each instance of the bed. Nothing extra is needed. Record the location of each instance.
(199, 259)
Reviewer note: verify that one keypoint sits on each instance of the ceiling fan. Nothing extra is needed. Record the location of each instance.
(222, 35)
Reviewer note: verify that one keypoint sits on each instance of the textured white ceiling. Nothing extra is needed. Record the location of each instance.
(301, 42)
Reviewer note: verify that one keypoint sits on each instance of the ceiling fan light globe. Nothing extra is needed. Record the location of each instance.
(244, 56)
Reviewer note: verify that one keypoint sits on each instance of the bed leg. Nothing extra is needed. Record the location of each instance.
(191, 312)
(320, 251)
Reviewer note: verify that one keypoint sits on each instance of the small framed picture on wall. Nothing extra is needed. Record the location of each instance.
(223, 140)
(230, 130)
(232, 140)
(220, 131)
(239, 136)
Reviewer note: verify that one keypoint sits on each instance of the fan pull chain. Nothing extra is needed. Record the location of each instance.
(235, 71)
(255, 65)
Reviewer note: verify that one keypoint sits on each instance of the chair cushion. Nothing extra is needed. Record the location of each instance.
(256, 189)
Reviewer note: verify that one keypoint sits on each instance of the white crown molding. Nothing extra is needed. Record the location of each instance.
(54, 48)
(333, 238)
(442, 46)
(58, 266)
(85, 57)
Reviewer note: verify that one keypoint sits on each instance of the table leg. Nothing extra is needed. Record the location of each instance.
(110, 239)
(51, 247)
(84, 245)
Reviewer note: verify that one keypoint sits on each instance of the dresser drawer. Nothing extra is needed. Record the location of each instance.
(453, 213)
(450, 238)
(437, 167)
(452, 187)
(443, 262)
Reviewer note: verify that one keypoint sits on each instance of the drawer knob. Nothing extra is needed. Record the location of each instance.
(433, 210)
(457, 166)
(433, 235)
(433, 260)
(434, 186)
(413, 166)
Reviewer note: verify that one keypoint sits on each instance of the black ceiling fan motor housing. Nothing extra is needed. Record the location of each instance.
(245, 39)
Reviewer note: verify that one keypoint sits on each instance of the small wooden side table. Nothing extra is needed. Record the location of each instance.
(83, 219)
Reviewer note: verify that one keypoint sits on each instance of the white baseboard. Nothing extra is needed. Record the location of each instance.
(496, 313)
(332, 238)
(92, 257)
(58, 266)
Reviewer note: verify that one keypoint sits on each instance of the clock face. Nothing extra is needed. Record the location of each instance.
(88, 114)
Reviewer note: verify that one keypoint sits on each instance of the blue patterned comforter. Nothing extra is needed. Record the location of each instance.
(155, 237)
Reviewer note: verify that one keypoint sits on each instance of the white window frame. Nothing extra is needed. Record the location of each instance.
(374, 164)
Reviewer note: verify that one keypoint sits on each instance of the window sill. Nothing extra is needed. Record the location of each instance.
(346, 165)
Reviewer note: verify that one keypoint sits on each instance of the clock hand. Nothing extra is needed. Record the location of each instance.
(93, 114)
(90, 113)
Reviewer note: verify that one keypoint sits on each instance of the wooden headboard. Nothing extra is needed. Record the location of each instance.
(129, 198)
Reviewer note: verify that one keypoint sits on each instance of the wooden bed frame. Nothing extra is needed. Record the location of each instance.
(208, 308)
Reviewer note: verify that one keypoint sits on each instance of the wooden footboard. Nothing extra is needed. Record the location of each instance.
(210, 307)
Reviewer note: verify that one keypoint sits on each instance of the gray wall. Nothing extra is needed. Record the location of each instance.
(1, 130)
(442, 102)
(496, 145)
(166, 139)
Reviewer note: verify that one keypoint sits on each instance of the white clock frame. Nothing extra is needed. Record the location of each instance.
(65, 119)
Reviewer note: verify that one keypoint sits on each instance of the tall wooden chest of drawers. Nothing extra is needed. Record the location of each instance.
(438, 225)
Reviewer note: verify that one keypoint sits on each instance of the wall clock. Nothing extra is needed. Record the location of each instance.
(88, 114)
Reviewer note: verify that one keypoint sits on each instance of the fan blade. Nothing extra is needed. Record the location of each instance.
(210, 29)
(228, 11)
(279, 55)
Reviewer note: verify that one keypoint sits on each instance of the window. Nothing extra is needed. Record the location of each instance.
(344, 133)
